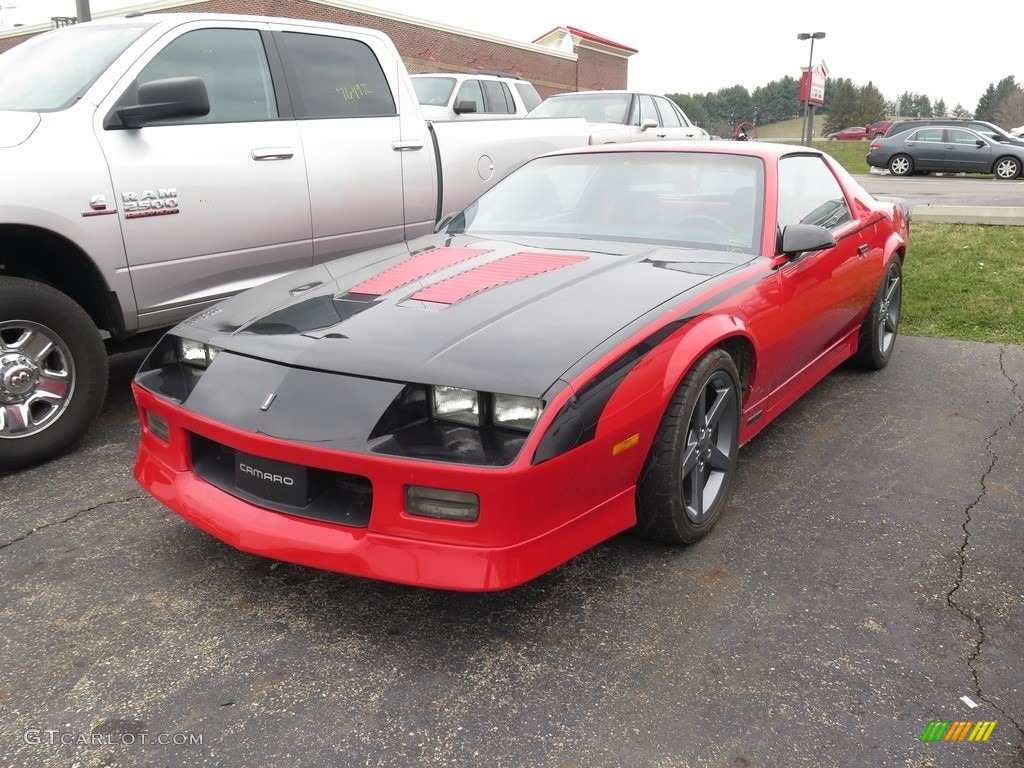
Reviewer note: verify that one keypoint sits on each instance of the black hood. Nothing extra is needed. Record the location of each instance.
(490, 315)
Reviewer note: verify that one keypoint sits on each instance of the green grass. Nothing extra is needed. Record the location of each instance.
(964, 281)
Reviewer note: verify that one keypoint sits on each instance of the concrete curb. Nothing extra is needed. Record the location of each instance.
(962, 214)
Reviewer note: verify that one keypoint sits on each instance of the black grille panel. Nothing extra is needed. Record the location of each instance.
(334, 497)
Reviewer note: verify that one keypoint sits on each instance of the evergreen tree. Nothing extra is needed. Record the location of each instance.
(940, 108)
(845, 107)
(870, 105)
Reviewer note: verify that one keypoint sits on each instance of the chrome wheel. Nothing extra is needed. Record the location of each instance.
(37, 378)
(1007, 168)
(901, 165)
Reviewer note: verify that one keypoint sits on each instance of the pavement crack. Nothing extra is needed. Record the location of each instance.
(4, 545)
(951, 595)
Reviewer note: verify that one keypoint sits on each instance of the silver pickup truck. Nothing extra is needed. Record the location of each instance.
(152, 165)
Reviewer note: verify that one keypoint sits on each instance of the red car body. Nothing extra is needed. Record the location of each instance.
(849, 134)
(786, 319)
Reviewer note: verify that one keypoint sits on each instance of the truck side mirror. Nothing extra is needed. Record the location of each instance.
(466, 106)
(173, 98)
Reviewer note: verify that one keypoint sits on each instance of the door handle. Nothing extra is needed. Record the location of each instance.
(272, 153)
(863, 249)
(406, 146)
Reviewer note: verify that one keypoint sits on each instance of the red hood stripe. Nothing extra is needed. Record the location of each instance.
(416, 268)
(498, 272)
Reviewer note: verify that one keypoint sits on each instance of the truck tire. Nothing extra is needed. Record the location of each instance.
(53, 373)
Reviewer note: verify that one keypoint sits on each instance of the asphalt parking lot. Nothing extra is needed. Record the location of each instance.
(866, 577)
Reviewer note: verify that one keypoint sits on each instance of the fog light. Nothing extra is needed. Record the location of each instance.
(157, 425)
(442, 504)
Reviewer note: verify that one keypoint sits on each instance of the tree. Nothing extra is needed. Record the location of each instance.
(940, 108)
(960, 113)
(693, 108)
(993, 97)
(870, 105)
(1010, 112)
(844, 108)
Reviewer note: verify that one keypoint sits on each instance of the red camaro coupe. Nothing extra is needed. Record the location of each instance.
(581, 351)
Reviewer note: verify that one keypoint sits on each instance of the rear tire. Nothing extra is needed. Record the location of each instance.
(901, 165)
(1006, 168)
(688, 473)
(882, 324)
(53, 373)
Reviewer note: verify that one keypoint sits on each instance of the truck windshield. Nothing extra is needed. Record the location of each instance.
(52, 71)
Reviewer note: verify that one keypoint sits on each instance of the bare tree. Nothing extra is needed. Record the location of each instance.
(1010, 112)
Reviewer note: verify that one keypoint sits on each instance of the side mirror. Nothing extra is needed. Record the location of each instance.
(800, 238)
(172, 98)
(467, 106)
(649, 123)
(980, 143)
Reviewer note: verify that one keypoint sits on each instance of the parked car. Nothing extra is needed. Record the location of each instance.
(990, 130)
(849, 134)
(1017, 132)
(945, 149)
(449, 96)
(877, 130)
(582, 350)
(623, 116)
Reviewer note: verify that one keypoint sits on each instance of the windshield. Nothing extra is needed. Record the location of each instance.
(433, 91)
(592, 107)
(52, 71)
(687, 199)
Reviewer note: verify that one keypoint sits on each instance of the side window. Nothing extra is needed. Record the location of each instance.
(648, 110)
(529, 95)
(669, 117)
(495, 100)
(232, 63)
(810, 194)
(927, 134)
(471, 91)
(957, 136)
(335, 77)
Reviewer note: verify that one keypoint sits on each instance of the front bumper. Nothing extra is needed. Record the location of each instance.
(532, 518)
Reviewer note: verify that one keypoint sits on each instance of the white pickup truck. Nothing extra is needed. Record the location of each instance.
(152, 165)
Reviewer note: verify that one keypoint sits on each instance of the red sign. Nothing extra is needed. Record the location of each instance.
(812, 85)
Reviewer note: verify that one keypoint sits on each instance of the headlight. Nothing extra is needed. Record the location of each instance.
(516, 412)
(456, 404)
(196, 352)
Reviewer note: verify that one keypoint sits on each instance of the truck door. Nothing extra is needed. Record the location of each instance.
(215, 204)
(349, 124)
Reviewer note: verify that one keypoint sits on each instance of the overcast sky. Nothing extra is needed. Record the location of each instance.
(691, 48)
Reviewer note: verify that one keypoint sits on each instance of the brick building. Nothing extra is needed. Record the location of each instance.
(563, 59)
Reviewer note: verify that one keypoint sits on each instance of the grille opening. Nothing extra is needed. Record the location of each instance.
(294, 489)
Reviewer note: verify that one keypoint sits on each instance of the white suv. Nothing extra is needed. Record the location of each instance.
(451, 95)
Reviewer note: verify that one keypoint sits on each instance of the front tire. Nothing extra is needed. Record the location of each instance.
(686, 479)
(53, 373)
(901, 165)
(1006, 168)
(881, 326)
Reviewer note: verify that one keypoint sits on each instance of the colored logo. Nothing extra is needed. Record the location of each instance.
(958, 730)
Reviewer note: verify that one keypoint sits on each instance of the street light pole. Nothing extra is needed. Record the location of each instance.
(808, 130)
